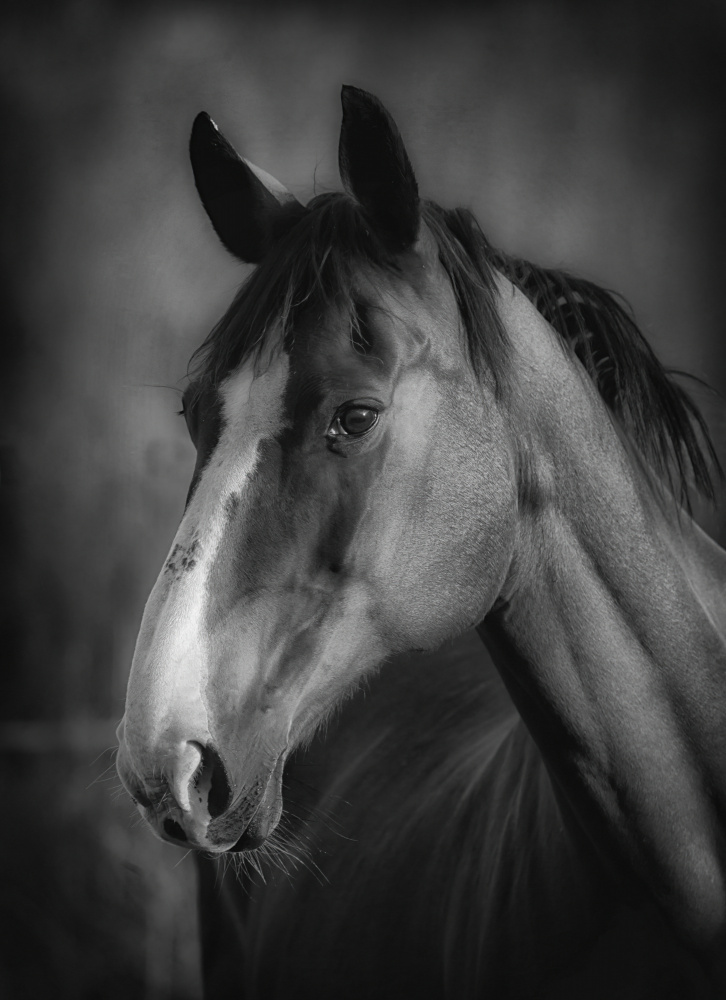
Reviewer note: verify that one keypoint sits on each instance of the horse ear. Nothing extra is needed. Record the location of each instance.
(248, 208)
(376, 170)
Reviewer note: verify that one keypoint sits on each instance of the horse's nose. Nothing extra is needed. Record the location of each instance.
(201, 787)
(182, 795)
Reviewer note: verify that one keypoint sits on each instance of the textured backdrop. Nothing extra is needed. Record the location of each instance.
(583, 135)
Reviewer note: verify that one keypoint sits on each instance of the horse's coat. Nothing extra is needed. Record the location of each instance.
(394, 445)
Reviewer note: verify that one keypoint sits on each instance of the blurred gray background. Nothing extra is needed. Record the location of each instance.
(583, 135)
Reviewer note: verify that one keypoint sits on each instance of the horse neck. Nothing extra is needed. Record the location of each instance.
(610, 637)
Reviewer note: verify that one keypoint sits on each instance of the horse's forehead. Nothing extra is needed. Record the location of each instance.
(412, 315)
(250, 409)
(251, 401)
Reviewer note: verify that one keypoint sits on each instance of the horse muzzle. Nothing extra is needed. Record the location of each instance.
(189, 800)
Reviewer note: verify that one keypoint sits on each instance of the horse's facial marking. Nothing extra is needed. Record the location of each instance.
(182, 559)
(169, 689)
(231, 504)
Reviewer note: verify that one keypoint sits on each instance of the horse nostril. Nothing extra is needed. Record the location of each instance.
(172, 829)
(219, 794)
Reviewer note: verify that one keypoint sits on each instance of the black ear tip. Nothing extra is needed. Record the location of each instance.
(355, 98)
(203, 126)
(203, 130)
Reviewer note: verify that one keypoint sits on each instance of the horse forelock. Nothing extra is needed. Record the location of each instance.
(317, 266)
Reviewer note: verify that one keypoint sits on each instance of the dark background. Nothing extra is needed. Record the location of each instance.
(583, 135)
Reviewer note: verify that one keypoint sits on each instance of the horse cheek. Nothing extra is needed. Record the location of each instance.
(441, 554)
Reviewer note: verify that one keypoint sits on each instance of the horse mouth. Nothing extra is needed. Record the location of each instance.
(248, 823)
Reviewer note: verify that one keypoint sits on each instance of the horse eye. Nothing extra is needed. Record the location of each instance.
(354, 421)
(188, 411)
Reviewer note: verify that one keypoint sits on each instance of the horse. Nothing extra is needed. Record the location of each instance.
(405, 436)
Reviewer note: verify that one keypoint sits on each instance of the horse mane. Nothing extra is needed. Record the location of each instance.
(664, 421)
(314, 267)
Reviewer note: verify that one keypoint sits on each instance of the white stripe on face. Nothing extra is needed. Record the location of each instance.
(166, 703)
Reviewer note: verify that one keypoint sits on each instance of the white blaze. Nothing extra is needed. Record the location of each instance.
(166, 701)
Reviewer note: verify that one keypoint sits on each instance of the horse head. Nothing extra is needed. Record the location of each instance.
(353, 495)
